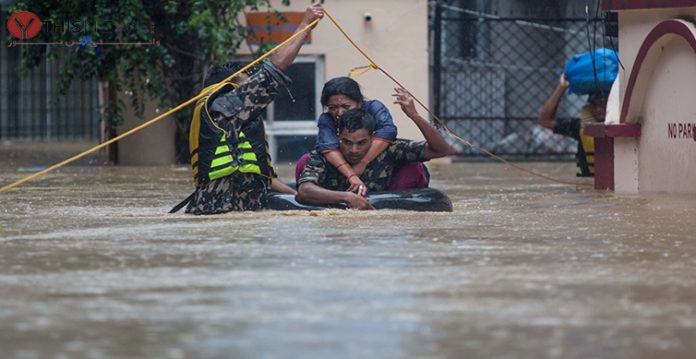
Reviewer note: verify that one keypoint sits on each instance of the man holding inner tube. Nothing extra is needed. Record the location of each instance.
(229, 152)
(321, 183)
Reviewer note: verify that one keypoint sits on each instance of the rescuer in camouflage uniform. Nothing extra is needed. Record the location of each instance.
(229, 151)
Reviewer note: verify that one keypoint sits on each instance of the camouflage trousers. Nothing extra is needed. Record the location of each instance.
(238, 192)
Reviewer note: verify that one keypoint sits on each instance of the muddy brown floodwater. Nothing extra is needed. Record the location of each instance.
(91, 265)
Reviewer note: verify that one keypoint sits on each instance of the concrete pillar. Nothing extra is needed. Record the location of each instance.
(626, 165)
(153, 145)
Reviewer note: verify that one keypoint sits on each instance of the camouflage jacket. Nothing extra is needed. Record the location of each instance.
(236, 111)
(377, 174)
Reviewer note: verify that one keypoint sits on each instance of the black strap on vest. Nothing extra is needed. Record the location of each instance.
(183, 203)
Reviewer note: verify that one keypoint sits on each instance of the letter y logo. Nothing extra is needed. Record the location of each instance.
(24, 25)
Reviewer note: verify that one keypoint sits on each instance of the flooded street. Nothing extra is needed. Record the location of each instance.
(91, 265)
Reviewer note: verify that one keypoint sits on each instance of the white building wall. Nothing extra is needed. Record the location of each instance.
(656, 162)
(396, 39)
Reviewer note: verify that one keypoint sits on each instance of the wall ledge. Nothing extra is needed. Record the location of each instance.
(600, 130)
(614, 5)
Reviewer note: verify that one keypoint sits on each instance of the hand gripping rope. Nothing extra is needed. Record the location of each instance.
(372, 65)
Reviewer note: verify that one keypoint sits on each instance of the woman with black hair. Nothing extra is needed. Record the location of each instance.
(338, 96)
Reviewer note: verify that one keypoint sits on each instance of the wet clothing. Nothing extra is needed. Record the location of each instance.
(236, 112)
(327, 138)
(217, 153)
(377, 174)
(573, 127)
(407, 175)
(238, 192)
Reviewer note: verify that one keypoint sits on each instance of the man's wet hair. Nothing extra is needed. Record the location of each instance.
(220, 72)
(341, 86)
(356, 119)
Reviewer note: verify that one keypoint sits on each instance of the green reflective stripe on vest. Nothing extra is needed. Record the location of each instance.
(222, 172)
(222, 149)
(213, 156)
(221, 161)
(250, 168)
(248, 156)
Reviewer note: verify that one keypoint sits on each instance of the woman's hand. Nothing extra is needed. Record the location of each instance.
(403, 98)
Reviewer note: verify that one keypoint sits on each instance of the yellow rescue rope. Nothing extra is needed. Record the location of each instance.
(148, 123)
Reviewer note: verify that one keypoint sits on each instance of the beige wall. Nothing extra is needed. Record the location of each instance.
(396, 39)
(664, 94)
(153, 145)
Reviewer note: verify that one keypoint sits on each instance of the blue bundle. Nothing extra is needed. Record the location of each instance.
(580, 72)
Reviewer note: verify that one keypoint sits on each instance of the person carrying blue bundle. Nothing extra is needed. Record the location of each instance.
(584, 76)
(592, 72)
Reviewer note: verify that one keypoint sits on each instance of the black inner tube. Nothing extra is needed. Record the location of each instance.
(422, 199)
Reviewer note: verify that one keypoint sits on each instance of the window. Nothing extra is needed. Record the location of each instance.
(291, 118)
(299, 103)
